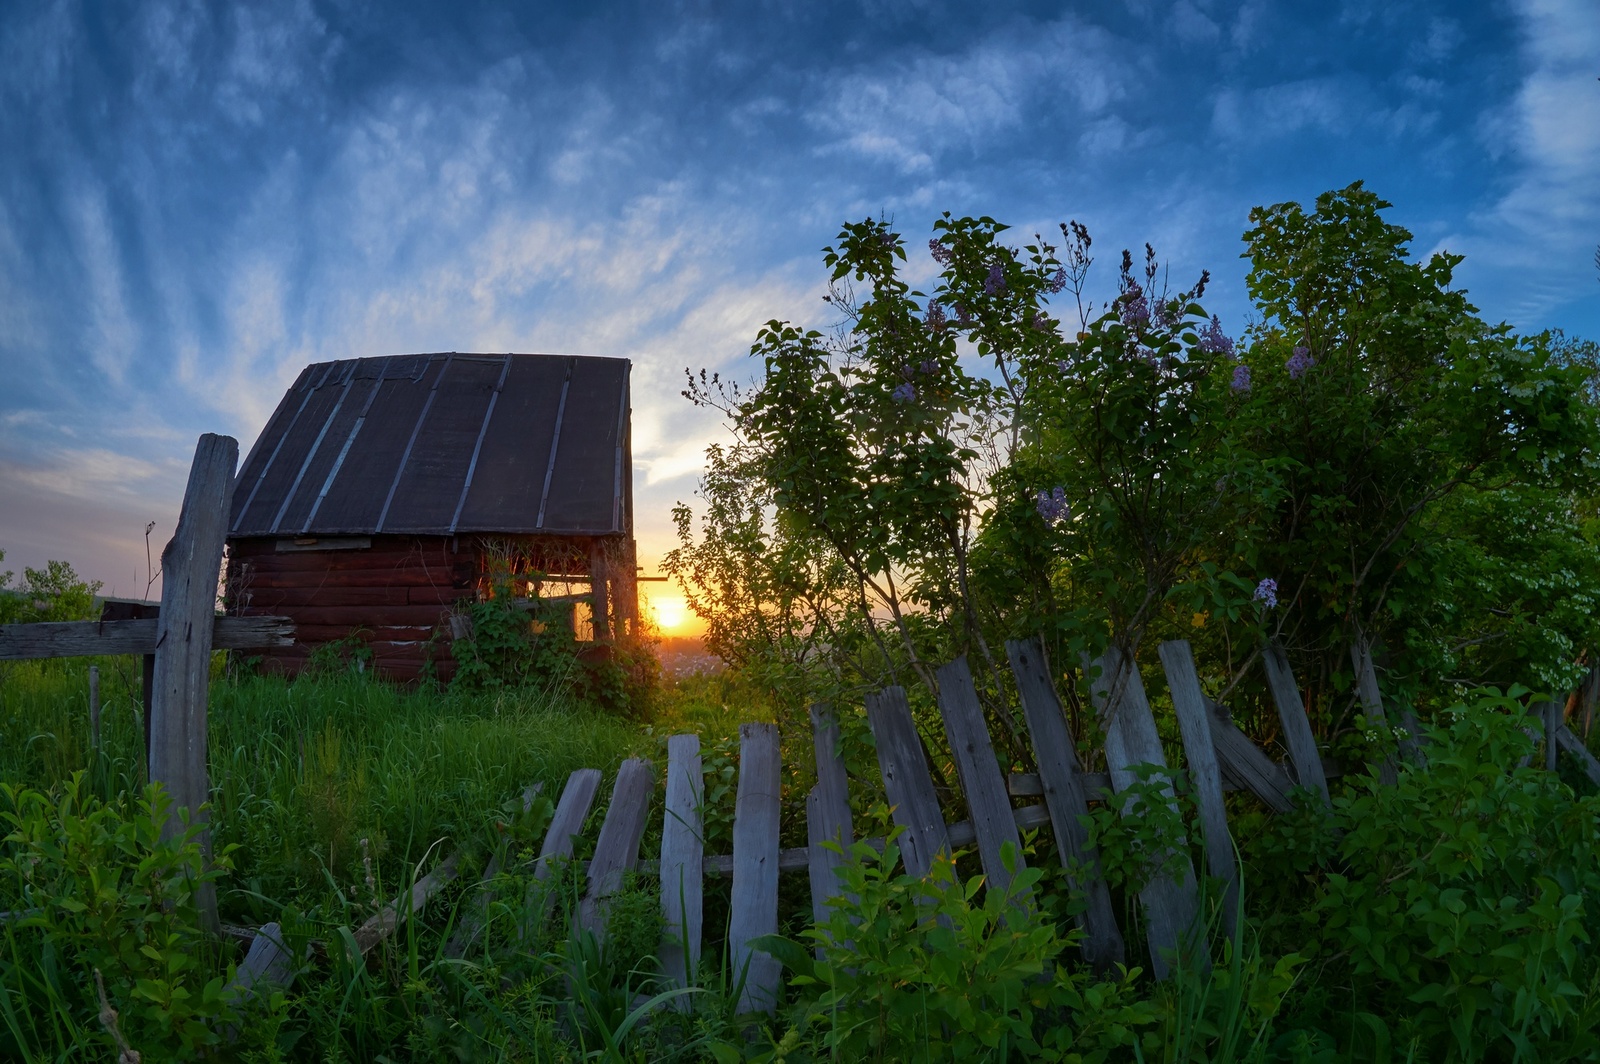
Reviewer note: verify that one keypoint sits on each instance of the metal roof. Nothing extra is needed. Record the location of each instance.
(444, 443)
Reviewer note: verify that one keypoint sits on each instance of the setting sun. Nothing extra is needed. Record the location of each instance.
(671, 612)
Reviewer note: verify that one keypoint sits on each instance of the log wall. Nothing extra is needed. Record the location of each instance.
(393, 595)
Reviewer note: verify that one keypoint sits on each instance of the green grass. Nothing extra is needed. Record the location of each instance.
(302, 771)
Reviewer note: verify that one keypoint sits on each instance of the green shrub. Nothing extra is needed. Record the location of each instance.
(104, 892)
(918, 970)
(1468, 904)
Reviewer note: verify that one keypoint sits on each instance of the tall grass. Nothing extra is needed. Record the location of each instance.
(303, 771)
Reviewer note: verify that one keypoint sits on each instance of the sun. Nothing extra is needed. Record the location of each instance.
(672, 613)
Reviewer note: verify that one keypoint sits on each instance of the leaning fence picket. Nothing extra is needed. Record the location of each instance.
(753, 910)
(1296, 727)
(682, 863)
(475, 916)
(616, 852)
(1200, 754)
(1567, 740)
(1171, 904)
(1372, 704)
(1062, 782)
(1247, 763)
(827, 813)
(906, 782)
(981, 779)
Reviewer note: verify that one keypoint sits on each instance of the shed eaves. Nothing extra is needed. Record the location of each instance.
(440, 444)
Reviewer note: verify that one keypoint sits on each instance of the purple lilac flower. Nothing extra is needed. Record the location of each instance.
(929, 367)
(936, 317)
(963, 315)
(1299, 362)
(1053, 506)
(1267, 593)
(1135, 308)
(1058, 281)
(1064, 366)
(1241, 378)
(940, 253)
(1040, 322)
(995, 284)
(905, 393)
(1213, 339)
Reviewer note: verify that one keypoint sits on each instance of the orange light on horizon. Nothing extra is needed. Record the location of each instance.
(671, 614)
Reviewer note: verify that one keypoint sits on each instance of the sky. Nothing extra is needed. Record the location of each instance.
(198, 199)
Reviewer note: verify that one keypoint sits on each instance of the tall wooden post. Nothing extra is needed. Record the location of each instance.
(600, 591)
(190, 565)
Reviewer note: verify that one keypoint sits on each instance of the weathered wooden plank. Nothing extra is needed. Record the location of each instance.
(905, 780)
(82, 639)
(267, 962)
(1372, 704)
(476, 915)
(1171, 903)
(383, 924)
(682, 864)
(827, 812)
(1551, 714)
(94, 707)
(981, 779)
(1066, 789)
(1296, 727)
(1246, 762)
(566, 823)
(1568, 740)
(1200, 753)
(191, 565)
(616, 852)
(753, 909)
(798, 858)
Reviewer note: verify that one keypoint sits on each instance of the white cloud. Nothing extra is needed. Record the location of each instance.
(1533, 245)
(927, 104)
(1250, 114)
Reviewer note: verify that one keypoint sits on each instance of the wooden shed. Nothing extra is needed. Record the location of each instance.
(383, 492)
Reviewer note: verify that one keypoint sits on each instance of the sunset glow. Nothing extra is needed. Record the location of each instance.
(671, 613)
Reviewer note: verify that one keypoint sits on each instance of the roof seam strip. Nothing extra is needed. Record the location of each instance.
(616, 486)
(288, 496)
(483, 430)
(415, 430)
(273, 457)
(555, 443)
(338, 463)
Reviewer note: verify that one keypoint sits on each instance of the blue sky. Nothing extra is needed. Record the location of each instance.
(196, 200)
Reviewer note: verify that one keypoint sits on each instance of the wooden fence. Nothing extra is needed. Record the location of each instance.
(1217, 757)
(176, 644)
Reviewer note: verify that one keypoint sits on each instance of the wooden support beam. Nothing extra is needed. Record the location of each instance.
(754, 904)
(82, 639)
(190, 566)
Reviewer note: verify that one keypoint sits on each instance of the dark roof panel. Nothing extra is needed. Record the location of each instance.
(442, 443)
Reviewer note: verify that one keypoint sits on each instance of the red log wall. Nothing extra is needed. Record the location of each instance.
(392, 595)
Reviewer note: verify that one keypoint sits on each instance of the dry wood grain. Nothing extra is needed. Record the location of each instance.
(616, 852)
(754, 905)
(1205, 775)
(682, 864)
